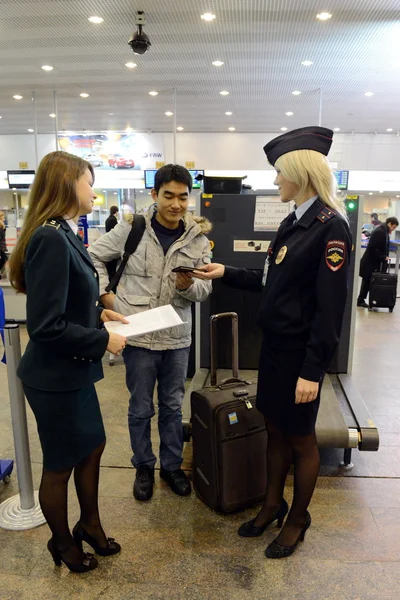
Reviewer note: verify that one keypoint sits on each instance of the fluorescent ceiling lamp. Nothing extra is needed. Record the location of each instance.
(47, 68)
(96, 20)
(296, 93)
(217, 63)
(208, 17)
(324, 16)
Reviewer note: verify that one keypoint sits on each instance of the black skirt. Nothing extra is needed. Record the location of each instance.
(70, 425)
(279, 370)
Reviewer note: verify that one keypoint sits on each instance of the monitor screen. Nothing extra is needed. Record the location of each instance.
(20, 180)
(342, 178)
(149, 175)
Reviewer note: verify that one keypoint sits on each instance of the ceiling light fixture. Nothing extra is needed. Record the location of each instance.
(130, 65)
(324, 16)
(296, 93)
(84, 95)
(110, 114)
(389, 130)
(17, 97)
(289, 114)
(397, 196)
(337, 129)
(283, 128)
(153, 93)
(224, 93)
(47, 68)
(208, 17)
(307, 63)
(169, 113)
(52, 115)
(96, 20)
(115, 193)
(217, 63)
(180, 128)
(232, 128)
(369, 94)
(371, 194)
(31, 130)
(229, 113)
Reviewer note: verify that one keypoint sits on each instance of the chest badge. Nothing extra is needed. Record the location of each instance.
(281, 255)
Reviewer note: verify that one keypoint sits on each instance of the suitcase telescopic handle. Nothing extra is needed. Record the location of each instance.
(213, 343)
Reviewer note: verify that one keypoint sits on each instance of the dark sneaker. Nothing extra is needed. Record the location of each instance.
(177, 481)
(144, 483)
(362, 304)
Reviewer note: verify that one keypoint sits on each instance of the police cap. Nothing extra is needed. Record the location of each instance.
(305, 138)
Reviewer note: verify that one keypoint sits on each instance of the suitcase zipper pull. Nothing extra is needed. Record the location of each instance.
(248, 404)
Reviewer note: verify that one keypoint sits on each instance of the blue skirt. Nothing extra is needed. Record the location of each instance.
(70, 425)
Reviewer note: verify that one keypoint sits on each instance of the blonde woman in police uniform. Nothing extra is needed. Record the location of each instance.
(304, 289)
(63, 358)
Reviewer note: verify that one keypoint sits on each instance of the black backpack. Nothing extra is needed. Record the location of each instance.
(132, 242)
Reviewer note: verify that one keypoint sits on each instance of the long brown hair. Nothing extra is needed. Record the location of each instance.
(53, 195)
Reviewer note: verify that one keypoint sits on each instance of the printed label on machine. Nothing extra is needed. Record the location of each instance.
(269, 213)
(251, 245)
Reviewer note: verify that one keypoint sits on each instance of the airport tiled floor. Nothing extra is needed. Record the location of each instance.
(177, 548)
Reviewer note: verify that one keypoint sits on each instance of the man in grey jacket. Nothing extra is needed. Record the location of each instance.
(172, 238)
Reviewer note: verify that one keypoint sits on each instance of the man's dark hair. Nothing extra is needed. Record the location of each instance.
(113, 210)
(171, 172)
(374, 215)
(392, 221)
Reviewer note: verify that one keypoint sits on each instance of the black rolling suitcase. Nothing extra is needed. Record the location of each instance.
(229, 436)
(383, 291)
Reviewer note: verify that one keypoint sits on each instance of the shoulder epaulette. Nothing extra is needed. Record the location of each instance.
(326, 214)
(51, 223)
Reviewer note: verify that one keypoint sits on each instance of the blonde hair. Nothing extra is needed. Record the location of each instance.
(53, 195)
(308, 168)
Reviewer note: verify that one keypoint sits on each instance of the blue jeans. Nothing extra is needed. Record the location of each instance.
(143, 368)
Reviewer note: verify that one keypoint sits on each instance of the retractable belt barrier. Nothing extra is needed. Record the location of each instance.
(21, 511)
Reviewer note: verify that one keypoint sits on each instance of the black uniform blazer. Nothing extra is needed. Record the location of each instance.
(376, 251)
(303, 300)
(63, 317)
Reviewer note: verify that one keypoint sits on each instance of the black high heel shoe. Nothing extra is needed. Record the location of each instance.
(276, 550)
(250, 530)
(80, 535)
(88, 564)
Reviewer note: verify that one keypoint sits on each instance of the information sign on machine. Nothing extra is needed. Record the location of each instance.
(269, 213)
(251, 246)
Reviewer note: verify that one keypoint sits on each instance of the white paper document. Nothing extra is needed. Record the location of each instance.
(149, 321)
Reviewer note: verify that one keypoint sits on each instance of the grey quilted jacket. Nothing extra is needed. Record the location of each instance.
(148, 282)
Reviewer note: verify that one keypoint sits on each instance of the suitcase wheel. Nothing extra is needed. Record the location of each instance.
(391, 310)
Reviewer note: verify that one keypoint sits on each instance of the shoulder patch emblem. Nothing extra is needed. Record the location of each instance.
(335, 254)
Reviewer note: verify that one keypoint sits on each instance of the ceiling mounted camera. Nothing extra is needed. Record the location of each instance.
(139, 41)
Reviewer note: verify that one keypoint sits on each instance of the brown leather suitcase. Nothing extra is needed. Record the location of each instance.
(229, 436)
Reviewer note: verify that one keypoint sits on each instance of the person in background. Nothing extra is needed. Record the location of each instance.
(112, 219)
(375, 257)
(374, 220)
(3, 244)
(62, 360)
(111, 222)
(172, 238)
(303, 296)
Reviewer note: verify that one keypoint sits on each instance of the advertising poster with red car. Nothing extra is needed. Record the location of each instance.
(115, 150)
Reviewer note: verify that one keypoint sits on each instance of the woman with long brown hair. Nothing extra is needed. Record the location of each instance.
(63, 358)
